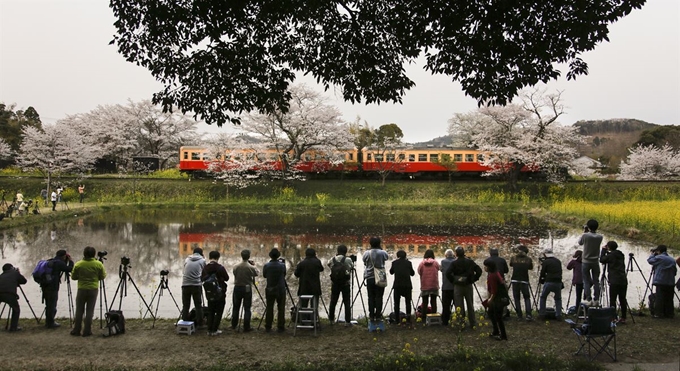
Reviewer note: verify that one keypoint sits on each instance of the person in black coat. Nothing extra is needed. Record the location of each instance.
(308, 271)
(10, 279)
(618, 281)
(464, 272)
(61, 263)
(402, 269)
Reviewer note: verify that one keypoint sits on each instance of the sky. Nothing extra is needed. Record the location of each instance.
(55, 56)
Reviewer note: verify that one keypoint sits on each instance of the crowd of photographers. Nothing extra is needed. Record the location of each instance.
(459, 275)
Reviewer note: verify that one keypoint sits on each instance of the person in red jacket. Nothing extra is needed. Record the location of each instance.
(429, 282)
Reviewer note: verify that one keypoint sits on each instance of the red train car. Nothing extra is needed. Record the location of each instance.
(408, 161)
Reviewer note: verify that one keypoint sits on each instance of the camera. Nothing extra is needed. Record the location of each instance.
(631, 255)
(282, 260)
(101, 255)
(124, 260)
(353, 257)
(586, 229)
(164, 272)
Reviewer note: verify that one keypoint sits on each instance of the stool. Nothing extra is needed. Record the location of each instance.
(433, 319)
(185, 327)
(309, 310)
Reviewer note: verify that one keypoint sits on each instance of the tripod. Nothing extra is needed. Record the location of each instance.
(10, 310)
(102, 294)
(122, 286)
(70, 299)
(355, 277)
(629, 268)
(264, 303)
(163, 285)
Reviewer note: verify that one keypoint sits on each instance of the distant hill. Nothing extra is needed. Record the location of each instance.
(609, 140)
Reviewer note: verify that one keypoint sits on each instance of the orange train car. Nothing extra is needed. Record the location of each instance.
(408, 161)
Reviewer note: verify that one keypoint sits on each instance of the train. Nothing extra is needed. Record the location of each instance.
(411, 162)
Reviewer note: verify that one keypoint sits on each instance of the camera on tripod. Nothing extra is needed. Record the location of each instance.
(353, 257)
(125, 261)
(102, 254)
(165, 272)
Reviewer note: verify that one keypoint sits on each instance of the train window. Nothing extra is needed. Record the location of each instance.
(351, 158)
(390, 157)
(422, 157)
(273, 157)
(434, 157)
(186, 155)
(480, 158)
(308, 157)
(195, 156)
(378, 157)
(318, 157)
(411, 157)
(469, 157)
(457, 157)
(218, 157)
(368, 157)
(402, 157)
(261, 157)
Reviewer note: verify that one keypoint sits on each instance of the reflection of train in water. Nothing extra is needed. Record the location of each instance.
(230, 244)
(426, 161)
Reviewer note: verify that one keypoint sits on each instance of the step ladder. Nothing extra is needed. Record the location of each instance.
(307, 316)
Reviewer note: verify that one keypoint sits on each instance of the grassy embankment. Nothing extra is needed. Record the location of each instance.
(646, 211)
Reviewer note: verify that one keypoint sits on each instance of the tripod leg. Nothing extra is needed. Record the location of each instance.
(155, 294)
(387, 302)
(571, 288)
(29, 305)
(140, 295)
(263, 303)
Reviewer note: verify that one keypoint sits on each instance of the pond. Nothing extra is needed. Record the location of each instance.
(156, 240)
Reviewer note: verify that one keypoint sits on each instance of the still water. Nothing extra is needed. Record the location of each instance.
(156, 240)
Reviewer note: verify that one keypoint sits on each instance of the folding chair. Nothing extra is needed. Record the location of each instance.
(598, 332)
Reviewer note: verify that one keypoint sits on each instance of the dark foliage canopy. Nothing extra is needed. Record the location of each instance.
(221, 58)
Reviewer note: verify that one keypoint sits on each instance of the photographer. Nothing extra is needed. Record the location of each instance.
(577, 279)
(275, 273)
(374, 257)
(591, 242)
(308, 271)
(10, 279)
(216, 306)
(341, 269)
(244, 279)
(191, 285)
(61, 263)
(521, 265)
(551, 278)
(464, 272)
(88, 272)
(402, 269)
(618, 281)
(664, 277)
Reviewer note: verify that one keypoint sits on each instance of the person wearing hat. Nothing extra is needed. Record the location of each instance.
(61, 263)
(551, 279)
(192, 286)
(618, 280)
(10, 279)
(521, 264)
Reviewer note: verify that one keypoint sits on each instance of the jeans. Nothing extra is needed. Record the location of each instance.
(336, 290)
(591, 276)
(85, 299)
(400, 292)
(195, 293)
(447, 303)
(375, 299)
(280, 299)
(51, 297)
(214, 313)
(620, 292)
(465, 292)
(13, 303)
(521, 288)
(242, 294)
(556, 288)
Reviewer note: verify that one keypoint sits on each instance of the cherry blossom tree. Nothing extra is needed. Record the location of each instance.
(5, 150)
(55, 150)
(651, 163)
(310, 124)
(522, 135)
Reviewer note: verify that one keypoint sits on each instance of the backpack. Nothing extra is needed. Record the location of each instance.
(42, 273)
(213, 290)
(339, 272)
(115, 323)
